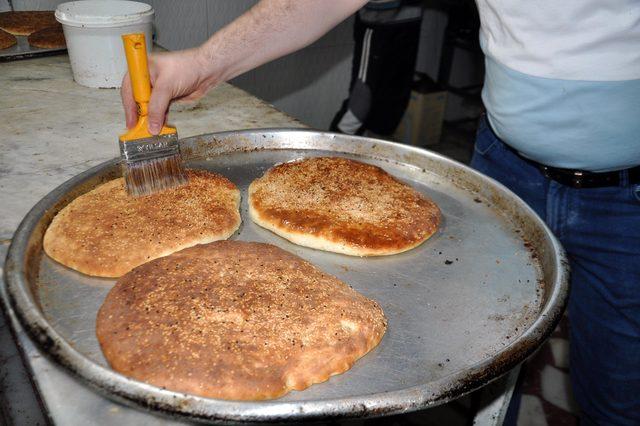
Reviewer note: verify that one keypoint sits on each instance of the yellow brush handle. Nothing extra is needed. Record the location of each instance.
(135, 48)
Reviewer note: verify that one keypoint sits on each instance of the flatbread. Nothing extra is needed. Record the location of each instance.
(106, 232)
(343, 206)
(26, 22)
(7, 40)
(235, 320)
(48, 38)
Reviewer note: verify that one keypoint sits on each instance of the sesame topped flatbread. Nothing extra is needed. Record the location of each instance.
(235, 320)
(106, 232)
(6, 39)
(341, 205)
(48, 38)
(26, 22)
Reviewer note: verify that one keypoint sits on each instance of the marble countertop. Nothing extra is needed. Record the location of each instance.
(53, 129)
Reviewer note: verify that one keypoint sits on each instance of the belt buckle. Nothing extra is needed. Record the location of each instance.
(577, 179)
(582, 179)
(574, 178)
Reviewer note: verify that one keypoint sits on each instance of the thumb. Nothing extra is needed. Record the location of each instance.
(158, 106)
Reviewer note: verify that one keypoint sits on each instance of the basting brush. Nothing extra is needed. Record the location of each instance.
(150, 163)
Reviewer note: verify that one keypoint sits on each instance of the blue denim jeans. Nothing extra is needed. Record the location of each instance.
(600, 230)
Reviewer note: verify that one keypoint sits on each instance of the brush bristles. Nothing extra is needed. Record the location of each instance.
(145, 177)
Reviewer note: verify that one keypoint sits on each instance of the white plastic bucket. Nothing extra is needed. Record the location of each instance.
(93, 28)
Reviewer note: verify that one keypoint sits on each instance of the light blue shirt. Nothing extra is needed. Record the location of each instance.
(574, 124)
(562, 79)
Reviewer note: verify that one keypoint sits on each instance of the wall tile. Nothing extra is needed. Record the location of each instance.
(556, 389)
(531, 412)
(340, 35)
(180, 24)
(221, 12)
(36, 4)
(309, 84)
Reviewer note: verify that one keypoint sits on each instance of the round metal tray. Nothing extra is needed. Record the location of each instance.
(463, 308)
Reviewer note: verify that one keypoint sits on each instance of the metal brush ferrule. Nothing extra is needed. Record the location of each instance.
(150, 148)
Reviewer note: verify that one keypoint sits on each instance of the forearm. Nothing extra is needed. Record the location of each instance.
(269, 30)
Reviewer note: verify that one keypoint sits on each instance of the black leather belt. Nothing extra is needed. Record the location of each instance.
(582, 178)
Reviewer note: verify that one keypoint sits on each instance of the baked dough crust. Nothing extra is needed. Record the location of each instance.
(235, 320)
(7, 40)
(26, 22)
(48, 38)
(341, 205)
(106, 232)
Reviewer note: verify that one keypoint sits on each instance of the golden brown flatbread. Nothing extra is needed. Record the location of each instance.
(343, 206)
(26, 22)
(7, 40)
(235, 320)
(48, 38)
(106, 232)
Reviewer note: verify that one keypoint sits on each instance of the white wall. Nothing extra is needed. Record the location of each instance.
(36, 4)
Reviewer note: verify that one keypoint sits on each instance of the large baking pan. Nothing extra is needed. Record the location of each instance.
(463, 308)
(23, 50)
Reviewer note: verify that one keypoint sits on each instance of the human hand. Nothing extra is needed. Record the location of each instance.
(180, 75)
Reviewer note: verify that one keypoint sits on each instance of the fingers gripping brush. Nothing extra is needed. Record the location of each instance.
(151, 163)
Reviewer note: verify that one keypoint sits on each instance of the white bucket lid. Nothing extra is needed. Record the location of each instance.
(103, 14)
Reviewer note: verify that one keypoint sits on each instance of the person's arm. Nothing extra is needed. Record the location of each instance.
(269, 30)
